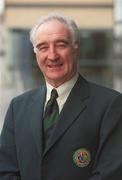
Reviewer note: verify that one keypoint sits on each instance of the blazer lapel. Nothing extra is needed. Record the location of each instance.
(36, 116)
(74, 105)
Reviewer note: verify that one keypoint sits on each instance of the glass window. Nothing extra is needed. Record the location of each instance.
(96, 56)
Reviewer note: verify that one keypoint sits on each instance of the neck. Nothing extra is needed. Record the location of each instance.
(56, 84)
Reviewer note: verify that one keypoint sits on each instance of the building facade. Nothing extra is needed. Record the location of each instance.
(96, 24)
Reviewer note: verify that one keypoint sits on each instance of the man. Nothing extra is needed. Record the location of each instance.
(83, 138)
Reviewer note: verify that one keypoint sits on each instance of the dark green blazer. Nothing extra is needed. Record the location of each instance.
(86, 144)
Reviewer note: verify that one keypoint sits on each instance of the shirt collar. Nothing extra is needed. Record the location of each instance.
(63, 90)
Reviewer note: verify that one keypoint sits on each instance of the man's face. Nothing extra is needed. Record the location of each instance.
(56, 55)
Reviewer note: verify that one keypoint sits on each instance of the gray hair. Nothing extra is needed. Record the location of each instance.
(61, 18)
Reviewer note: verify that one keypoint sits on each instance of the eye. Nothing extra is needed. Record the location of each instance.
(42, 48)
(62, 45)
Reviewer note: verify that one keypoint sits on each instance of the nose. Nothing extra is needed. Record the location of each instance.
(52, 53)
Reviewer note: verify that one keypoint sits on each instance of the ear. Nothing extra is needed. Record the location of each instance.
(77, 49)
(34, 49)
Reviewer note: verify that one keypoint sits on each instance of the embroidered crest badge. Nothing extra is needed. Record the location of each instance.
(81, 157)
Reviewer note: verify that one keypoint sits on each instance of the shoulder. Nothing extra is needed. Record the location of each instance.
(29, 95)
(97, 93)
(96, 89)
(102, 90)
(103, 96)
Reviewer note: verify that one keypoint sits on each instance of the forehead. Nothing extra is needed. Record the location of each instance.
(52, 29)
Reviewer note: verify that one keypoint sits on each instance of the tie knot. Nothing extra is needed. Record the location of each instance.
(54, 94)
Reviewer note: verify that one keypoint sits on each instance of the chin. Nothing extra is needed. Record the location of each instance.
(55, 75)
(55, 78)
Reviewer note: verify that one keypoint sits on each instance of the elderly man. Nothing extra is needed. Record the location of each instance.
(67, 129)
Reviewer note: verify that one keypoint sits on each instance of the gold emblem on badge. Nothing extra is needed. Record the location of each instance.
(81, 157)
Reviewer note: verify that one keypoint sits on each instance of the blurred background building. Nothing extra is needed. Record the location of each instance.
(100, 23)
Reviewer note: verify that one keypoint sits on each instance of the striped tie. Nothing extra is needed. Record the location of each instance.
(50, 115)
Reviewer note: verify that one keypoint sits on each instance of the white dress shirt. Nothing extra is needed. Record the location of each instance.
(63, 91)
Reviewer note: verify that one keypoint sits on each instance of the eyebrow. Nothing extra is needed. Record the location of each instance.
(62, 41)
(56, 41)
(40, 44)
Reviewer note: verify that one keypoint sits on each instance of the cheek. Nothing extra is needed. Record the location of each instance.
(39, 60)
(71, 60)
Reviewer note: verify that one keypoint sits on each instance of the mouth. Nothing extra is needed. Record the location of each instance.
(54, 66)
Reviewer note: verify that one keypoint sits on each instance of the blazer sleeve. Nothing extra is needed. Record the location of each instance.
(8, 157)
(108, 162)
